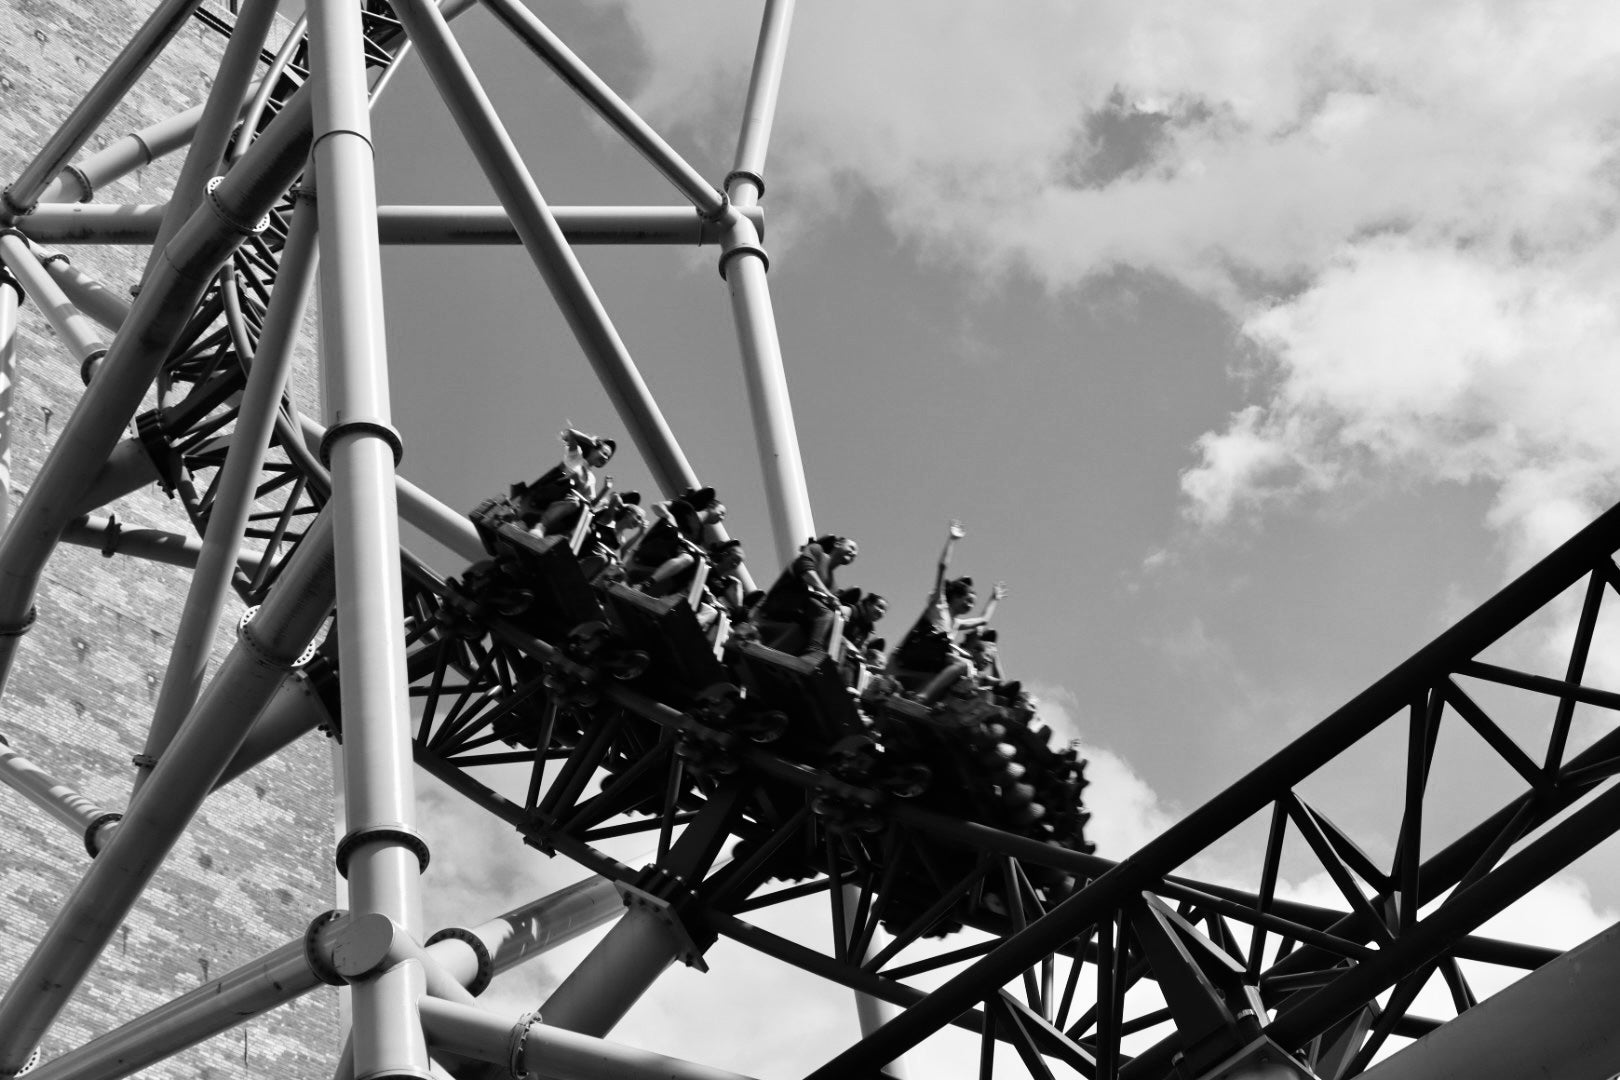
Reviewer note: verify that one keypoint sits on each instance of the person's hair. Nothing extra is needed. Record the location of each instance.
(873, 597)
(956, 588)
(720, 547)
(828, 542)
(851, 595)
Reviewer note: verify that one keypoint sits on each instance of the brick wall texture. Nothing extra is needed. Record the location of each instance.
(254, 868)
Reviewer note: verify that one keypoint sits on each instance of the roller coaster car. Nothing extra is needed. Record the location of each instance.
(532, 579)
(812, 694)
(680, 653)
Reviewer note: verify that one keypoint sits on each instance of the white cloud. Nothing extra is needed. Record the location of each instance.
(1409, 209)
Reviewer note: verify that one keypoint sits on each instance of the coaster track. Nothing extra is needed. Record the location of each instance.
(620, 718)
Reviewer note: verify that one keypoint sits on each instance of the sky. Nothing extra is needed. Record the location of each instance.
(1255, 343)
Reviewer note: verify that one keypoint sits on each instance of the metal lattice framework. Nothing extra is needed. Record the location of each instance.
(948, 909)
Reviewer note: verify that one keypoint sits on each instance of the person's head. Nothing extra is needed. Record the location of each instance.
(959, 595)
(726, 555)
(840, 549)
(715, 513)
(629, 518)
(600, 452)
(874, 606)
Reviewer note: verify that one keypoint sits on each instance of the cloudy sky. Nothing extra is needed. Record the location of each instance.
(1255, 342)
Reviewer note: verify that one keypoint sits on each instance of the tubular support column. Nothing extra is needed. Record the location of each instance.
(164, 22)
(158, 316)
(58, 800)
(10, 301)
(515, 188)
(78, 183)
(78, 333)
(409, 225)
(273, 979)
(381, 855)
(86, 293)
(417, 507)
(227, 521)
(609, 106)
(743, 264)
(237, 65)
(267, 649)
(538, 1049)
(786, 494)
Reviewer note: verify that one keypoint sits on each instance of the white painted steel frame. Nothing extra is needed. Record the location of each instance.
(350, 549)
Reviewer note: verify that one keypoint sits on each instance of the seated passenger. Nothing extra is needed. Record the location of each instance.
(723, 591)
(801, 607)
(672, 546)
(614, 526)
(929, 661)
(552, 503)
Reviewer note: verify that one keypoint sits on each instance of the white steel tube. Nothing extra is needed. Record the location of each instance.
(233, 501)
(164, 22)
(787, 496)
(743, 264)
(156, 319)
(447, 526)
(79, 183)
(213, 133)
(544, 1051)
(608, 105)
(10, 300)
(81, 336)
(56, 799)
(378, 851)
(109, 224)
(268, 648)
(86, 293)
(759, 110)
(515, 188)
(629, 959)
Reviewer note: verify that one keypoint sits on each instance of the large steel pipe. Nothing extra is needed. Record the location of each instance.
(515, 188)
(156, 320)
(415, 225)
(537, 1049)
(609, 106)
(164, 22)
(381, 854)
(269, 647)
(237, 487)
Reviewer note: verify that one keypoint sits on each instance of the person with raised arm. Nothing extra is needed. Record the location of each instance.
(929, 661)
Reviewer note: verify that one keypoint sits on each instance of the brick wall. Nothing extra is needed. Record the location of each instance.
(253, 870)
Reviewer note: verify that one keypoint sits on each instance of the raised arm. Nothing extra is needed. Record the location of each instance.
(996, 593)
(955, 533)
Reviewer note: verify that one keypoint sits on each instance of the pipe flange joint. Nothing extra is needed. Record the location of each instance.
(718, 212)
(486, 962)
(48, 257)
(301, 193)
(93, 830)
(517, 1043)
(87, 187)
(743, 249)
(402, 833)
(253, 646)
(23, 627)
(9, 280)
(361, 426)
(11, 206)
(33, 1061)
(318, 961)
(746, 174)
(88, 364)
(225, 214)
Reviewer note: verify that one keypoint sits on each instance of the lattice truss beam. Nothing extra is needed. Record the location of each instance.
(966, 917)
